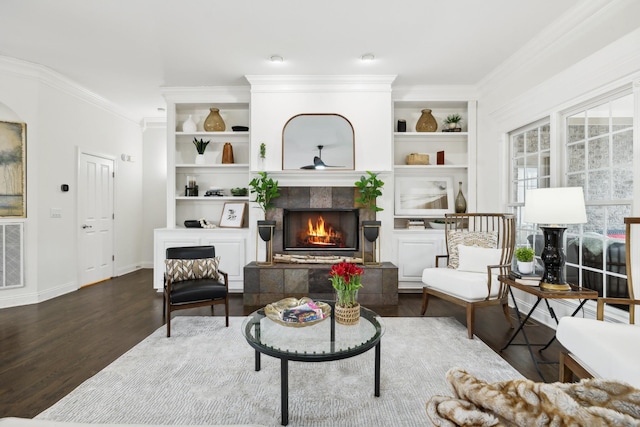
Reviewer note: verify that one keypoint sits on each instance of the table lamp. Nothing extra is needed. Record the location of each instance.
(551, 208)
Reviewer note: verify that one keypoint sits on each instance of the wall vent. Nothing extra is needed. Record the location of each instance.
(11, 258)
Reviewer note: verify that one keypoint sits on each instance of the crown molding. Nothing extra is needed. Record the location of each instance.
(320, 83)
(204, 94)
(559, 32)
(47, 76)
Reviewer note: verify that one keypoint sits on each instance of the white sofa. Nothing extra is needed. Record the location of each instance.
(26, 422)
(603, 349)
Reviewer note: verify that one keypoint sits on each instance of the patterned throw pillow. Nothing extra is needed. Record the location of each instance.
(481, 239)
(190, 269)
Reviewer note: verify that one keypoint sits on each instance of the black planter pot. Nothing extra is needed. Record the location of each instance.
(371, 230)
(265, 229)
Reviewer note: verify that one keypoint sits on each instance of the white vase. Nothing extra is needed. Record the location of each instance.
(525, 267)
(189, 125)
(200, 159)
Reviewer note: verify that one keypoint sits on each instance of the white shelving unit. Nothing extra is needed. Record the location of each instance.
(231, 243)
(459, 149)
(415, 249)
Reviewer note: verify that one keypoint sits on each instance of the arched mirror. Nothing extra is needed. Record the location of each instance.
(318, 141)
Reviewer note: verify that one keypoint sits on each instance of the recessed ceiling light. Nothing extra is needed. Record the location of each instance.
(368, 57)
(276, 58)
(161, 109)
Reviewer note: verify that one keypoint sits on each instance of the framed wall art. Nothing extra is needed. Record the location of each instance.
(232, 214)
(427, 196)
(13, 164)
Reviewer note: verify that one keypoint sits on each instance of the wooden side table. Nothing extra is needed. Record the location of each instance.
(576, 292)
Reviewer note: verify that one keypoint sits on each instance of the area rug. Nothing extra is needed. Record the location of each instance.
(204, 374)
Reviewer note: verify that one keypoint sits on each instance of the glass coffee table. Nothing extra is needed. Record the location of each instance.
(320, 342)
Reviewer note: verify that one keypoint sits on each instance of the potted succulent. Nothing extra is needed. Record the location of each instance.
(524, 255)
(201, 145)
(262, 155)
(453, 121)
(369, 188)
(265, 189)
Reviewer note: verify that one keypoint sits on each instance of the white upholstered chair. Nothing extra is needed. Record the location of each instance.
(596, 348)
(479, 248)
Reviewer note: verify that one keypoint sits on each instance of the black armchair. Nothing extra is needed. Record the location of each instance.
(192, 279)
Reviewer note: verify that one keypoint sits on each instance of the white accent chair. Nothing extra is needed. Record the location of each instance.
(479, 248)
(601, 349)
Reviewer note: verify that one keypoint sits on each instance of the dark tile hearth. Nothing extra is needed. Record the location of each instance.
(267, 284)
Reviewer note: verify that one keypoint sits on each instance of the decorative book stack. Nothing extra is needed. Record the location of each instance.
(415, 224)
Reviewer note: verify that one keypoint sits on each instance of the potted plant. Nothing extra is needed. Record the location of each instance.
(265, 189)
(524, 255)
(345, 278)
(453, 121)
(201, 145)
(262, 155)
(369, 188)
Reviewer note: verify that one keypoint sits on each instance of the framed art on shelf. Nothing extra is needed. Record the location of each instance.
(232, 214)
(427, 196)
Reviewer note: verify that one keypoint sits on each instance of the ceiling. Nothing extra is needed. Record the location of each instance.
(126, 50)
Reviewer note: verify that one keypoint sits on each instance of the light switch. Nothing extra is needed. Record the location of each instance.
(56, 213)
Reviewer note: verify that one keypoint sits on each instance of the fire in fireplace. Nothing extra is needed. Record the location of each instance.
(320, 229)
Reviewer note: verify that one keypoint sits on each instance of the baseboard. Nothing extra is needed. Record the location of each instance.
(28, 298)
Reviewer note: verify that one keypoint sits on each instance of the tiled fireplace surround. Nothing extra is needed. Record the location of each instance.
(267, 284)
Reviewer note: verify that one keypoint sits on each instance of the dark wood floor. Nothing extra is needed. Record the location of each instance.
(48, 349)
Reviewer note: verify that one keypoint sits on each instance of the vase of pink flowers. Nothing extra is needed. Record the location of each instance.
(346, 280)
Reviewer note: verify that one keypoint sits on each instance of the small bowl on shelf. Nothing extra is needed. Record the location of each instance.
(239, 191)
(436, 225)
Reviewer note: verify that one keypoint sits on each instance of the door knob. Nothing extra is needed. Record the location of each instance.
(86, 226)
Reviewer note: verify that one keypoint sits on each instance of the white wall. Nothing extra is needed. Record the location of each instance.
(154, 185)
(61, 118)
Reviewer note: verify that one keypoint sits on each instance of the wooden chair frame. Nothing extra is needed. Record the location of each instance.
(570, 366)
(168, 307)
(504, 225)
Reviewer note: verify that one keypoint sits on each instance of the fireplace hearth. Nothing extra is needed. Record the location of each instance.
(320, 230)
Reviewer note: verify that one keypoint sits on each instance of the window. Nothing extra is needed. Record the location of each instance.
(598, 156)
(596, 149)
(530, 150)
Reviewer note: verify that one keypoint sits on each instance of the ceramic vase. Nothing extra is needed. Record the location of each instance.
(461, 202)
(189, 125)
(214, 122)
(227, 153)
(199, 159)
(426, 122)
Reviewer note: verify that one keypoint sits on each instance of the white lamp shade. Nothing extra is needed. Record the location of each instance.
(553, 206)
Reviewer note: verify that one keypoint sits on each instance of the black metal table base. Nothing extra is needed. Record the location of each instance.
(284, 382)
(522, 322)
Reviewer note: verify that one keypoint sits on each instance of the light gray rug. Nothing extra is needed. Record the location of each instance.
(204, 374)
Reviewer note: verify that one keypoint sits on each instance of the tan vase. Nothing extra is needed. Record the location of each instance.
(227, 153)
(347, 315)
(426, 122)
(213, 122)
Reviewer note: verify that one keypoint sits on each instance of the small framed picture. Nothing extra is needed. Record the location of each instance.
(232, 214)
(424, 196)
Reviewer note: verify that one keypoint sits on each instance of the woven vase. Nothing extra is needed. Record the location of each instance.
(426, 122)
(347, 315)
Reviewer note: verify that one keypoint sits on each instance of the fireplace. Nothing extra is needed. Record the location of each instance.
(320, 229)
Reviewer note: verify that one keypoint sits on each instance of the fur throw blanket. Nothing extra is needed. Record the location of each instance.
(592, 402)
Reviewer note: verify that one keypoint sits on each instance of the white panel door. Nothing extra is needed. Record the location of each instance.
(95, 214)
